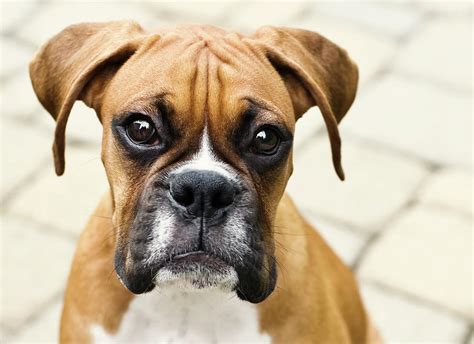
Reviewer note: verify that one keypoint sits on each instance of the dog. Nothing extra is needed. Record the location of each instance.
(198, 124)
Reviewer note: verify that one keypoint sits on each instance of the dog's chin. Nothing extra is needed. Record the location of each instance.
(197, 271)
(200, 270)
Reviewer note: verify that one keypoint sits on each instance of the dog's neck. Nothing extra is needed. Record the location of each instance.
(184, 316)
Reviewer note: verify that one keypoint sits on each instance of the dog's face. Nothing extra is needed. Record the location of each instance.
(197, 145)
(198, 155)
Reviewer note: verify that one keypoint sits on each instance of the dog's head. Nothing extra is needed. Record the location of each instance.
(198, 126)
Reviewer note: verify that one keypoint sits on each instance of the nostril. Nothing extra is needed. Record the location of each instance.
(223, 198)
(182, 195)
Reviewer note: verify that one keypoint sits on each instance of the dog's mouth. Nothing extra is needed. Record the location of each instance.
(196, 270)
(196, 260)
(192, 256)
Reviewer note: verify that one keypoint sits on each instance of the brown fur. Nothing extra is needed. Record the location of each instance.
(208, 75)
(316, 299)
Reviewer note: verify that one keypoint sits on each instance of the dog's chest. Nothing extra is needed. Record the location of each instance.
(186, 317)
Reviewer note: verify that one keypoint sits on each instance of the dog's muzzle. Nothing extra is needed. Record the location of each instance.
(197, 229)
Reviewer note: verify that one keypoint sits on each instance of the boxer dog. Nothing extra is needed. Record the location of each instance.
(196, 240)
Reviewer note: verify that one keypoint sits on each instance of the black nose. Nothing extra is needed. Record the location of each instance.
(202, 193)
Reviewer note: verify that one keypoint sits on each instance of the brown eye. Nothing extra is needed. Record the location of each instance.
(141, 131)
(266, 141)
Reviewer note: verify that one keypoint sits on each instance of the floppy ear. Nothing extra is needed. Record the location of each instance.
(76, 64)
(315, 72)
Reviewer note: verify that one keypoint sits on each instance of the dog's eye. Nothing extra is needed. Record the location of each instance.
(266, 141)
(141, 131)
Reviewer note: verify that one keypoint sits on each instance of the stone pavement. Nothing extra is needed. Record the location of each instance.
(402, 220)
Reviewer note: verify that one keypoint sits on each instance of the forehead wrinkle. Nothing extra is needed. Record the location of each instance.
(190, 90)
(224, 51)
(199, 85)
(232, 50)
(214, 85)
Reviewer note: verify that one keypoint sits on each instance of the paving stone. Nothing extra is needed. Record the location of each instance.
(14, 13)
(23, 150)
(31, 250)
(377, 183)
(57, 16)
(400, 320)
(17, 95)
(370, 52)
(428, 253)
(390, 18)
(449, 188)
(445, 8)
(416, 117)
(449, 63)
(83, 124)
(44, 329)
(253, 15)
(4, 335)
(308, 126)
(73, 195)
(344, 242)
(209, 12)
(14, 56)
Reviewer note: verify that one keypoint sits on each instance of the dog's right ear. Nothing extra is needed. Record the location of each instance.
(77, 64)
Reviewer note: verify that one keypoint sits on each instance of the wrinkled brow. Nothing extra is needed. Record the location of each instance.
(150, 104)
(258, 110)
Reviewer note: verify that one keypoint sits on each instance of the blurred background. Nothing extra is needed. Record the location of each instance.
(402, 219)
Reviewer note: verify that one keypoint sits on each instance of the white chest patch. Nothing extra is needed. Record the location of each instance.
(177, 316)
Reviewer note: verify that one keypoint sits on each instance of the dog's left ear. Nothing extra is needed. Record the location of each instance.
(315, 72)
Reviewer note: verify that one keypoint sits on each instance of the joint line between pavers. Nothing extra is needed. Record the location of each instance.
(377, 145)
(46, 227)
(406, 295)
(27, 15)
(410, 202)
(469, 334)
(346, 226)
(24, 183)
(36, 314)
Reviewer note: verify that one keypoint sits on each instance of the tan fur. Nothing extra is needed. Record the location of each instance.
(92, 282)
(315, 289)
(209, 76)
